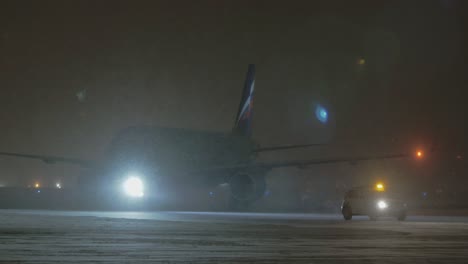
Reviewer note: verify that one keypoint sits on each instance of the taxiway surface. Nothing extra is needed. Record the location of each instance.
(193, 237)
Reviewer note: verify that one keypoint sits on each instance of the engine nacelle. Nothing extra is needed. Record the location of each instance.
(247, 188)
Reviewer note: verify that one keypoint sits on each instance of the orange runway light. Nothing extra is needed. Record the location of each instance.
(419, 154)
(37, 185)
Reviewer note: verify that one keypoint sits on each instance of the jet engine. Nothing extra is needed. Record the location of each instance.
(245, 189)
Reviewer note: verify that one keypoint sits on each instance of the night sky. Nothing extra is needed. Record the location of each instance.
(182, 64)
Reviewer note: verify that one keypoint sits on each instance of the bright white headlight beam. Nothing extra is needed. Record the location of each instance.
(133, 187)
(382, 205)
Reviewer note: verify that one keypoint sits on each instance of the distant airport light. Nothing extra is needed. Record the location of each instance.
(419, 154)
(58, 185)
(361, 61)
(37, 185)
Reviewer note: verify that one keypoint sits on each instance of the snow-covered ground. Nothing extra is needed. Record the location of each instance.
(171, 237)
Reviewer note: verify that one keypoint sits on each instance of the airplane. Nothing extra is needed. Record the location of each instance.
(143, 159)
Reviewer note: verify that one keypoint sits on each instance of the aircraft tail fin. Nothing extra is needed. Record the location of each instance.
(243, 122)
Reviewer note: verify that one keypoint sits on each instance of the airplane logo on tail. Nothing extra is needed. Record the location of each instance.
(247, 108)
(243, 121)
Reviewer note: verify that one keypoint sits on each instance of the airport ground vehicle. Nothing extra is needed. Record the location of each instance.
(373, 201)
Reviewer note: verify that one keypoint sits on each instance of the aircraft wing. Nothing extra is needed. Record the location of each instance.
(307, 163)
(52, 159)
(259, 165)
(283, 147)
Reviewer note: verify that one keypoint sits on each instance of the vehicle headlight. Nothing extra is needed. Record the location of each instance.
(382, 204)
(133, 187)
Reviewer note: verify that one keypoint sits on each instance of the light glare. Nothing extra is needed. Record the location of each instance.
(379, 187)
(321, 114)
(382, 205)
(133, 187)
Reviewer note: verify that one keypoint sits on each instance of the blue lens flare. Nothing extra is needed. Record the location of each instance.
(321, 114)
